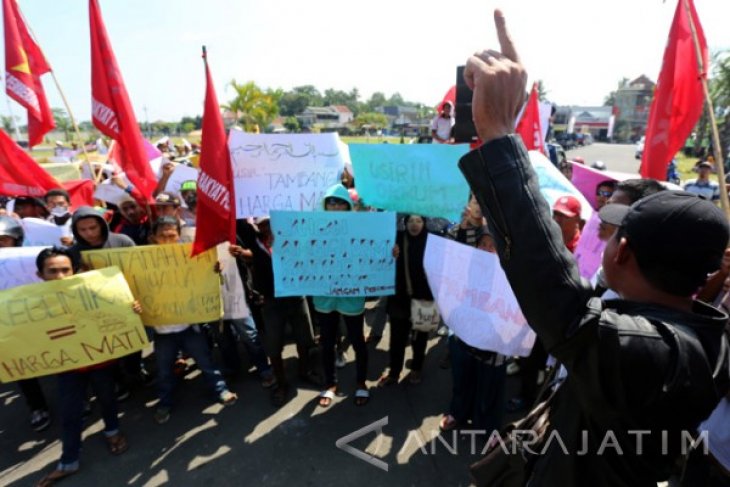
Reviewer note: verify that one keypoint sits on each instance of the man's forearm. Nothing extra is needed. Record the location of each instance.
(541, 271)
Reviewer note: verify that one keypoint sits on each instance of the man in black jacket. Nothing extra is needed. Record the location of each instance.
(643, 371)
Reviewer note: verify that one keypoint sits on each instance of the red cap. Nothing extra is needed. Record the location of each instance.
(568, 206)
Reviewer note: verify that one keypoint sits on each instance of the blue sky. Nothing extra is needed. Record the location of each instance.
(580, 48)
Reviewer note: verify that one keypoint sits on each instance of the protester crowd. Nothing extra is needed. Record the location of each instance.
(321, 327)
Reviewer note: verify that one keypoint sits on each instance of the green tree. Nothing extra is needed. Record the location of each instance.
(376, 100)
(291, 124)
(396, 100)
(541, 91)
(371, 120)
(7, 122)
(253, 107)
(610, 99)
(720, 94)
(63, 122)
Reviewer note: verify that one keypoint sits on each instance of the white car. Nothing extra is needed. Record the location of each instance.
(640, 148)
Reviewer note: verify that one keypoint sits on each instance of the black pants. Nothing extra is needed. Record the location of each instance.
(328, 323)
(31, 389)
(400, 328)
(529, 368)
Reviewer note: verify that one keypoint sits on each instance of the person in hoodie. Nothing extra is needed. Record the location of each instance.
(91, 232)
(410, 283)
(329, 310)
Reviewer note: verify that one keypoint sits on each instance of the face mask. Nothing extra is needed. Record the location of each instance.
(191, 199)
(59, 211)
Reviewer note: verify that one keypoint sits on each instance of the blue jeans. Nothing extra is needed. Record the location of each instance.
(72, 387)
(192, 342)
(227, 340)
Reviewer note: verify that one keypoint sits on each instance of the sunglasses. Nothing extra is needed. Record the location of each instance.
(605, 194)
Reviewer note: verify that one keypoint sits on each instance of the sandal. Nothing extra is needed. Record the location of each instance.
(362, 396)
(447, 423)
(117, 444)
(55, 476)
(387, 380)
(279, 395)
(326, 397)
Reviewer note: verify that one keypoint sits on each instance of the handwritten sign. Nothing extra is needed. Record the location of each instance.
(553, 184)
(17, 266)
(234, 299)
(589, 251)
(421, 179)
(587, 179)
(475, 298)
(283, 171)
(55, 326)
(43, 233)
(172, 287)
(333, 253)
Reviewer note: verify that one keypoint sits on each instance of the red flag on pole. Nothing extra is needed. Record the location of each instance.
(111, 110)
(20, 174)
(216, 214)
(678, 98)
(24, 65)
(529, 125)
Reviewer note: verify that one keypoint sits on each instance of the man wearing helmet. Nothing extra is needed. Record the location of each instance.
(11, 235)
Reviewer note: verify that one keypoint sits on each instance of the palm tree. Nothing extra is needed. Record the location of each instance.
(253, 108)
(63, 122)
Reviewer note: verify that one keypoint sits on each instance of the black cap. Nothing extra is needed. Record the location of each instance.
(674, 229)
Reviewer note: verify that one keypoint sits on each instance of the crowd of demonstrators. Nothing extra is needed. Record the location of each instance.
(614, 339)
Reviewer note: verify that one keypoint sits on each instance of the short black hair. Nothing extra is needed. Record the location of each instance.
(51, 252)
(164, 221)
(57, 192)
(637, 189)
(610, 183)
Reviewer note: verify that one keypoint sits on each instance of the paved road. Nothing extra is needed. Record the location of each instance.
(617, 157)
(252, 443)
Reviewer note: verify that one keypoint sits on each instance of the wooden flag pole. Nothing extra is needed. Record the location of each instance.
(717, 148)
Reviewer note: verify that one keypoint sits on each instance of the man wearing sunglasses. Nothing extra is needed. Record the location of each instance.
(604, 191)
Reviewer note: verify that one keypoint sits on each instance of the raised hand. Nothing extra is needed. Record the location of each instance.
(498, 81)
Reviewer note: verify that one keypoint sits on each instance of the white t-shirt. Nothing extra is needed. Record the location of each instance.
(442, 126)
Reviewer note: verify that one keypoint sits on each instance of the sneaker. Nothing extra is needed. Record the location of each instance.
(227, 398)
(162, 415)
(340, 360)
(40, 420)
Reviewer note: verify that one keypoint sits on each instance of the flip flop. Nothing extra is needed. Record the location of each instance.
(53, 477)
(326, 397)
(117, 444)
(362, 396)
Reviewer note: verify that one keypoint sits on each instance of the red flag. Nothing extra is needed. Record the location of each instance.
(24, 65)
(81, 192)
(20, 174)
(529, 125)
(111, 110)
(450, 96)
(678, 98)
(216, 213)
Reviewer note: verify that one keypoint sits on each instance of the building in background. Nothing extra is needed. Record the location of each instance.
(632, 102)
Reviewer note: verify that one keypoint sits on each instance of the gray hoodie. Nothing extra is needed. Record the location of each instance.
(111, 240)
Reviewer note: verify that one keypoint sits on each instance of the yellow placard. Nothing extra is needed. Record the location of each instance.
(63, 171)
(171, 287)
(55, 326)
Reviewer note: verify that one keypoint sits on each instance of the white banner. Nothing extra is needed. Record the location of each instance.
(43, 233)
(475, 299)
(110, 192)
(181, 174)
(17, 266)
(284, 171)
(232, 293)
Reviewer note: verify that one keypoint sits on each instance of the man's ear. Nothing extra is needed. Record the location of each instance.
(623, 252)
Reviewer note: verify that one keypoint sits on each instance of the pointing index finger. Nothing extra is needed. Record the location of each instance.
(505, 41)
